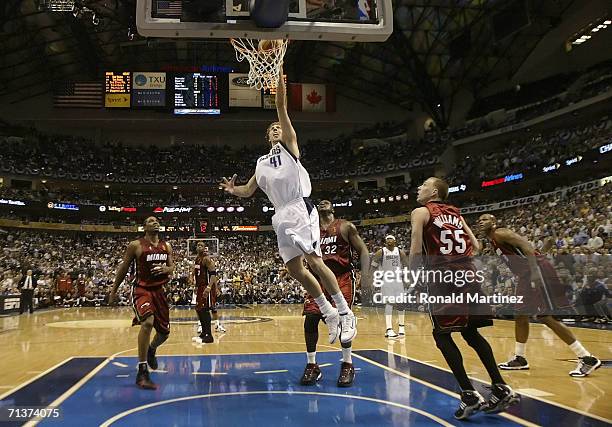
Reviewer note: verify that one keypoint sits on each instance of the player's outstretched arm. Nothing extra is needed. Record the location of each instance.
(212, 270)
(376, 260)
(364, 255)
(128, 257)
(289, 135)
(247, 190)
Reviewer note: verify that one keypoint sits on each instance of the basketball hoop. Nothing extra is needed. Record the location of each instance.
(265, 64)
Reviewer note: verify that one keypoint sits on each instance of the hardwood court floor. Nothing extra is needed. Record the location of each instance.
(32, 344)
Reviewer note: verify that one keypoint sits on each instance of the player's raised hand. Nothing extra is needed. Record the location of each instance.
(230, 185)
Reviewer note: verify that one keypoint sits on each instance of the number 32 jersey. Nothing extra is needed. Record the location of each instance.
(282, 177)
(337, 252)
(444, 238)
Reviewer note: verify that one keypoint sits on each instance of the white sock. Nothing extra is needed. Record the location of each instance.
(520, 348)
(312, 357)
(346, 354)
(324, 305)
(389, 316)
(341, 304)
(400, 315)
(578, 349)
(218, 322)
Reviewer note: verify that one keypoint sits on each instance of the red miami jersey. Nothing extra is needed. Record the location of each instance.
(201, 272)
(152, 256)
(515, 260)
(444, 239)
(337, 252)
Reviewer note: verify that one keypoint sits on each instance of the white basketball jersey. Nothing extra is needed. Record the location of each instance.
(391, 259)
(282, 177)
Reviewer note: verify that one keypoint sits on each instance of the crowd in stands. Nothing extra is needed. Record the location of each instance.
(534, 153)
(77, 269)
(74, 158)
(537, 98)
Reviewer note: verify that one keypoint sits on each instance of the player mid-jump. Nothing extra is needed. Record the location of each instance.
(296, 222)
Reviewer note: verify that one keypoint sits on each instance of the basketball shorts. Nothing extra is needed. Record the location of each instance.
(346, 282)
(537, 300)
(392, 289)
(206, 302)
(297, 229)
(455, 316)
(151, 302)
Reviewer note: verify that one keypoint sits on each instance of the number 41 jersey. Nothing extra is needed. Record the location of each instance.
(282, 177)
(444, 238)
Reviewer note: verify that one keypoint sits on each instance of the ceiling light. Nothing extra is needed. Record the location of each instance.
(607, 22)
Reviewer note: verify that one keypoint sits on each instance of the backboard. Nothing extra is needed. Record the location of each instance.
(336, 20)
(212, 243)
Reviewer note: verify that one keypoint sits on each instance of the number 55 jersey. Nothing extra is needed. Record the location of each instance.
(444, 238)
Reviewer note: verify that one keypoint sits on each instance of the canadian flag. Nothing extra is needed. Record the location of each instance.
(312, 98)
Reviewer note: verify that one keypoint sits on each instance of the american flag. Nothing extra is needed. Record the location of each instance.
(78, 95)
(167, 9)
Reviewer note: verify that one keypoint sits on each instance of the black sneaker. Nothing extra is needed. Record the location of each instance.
(208, 338)
(143, 380)
(517, 363)
(586, 365)
(502, 397)
(471, 401)
(312, 374)
(347, 375)
(151, 359)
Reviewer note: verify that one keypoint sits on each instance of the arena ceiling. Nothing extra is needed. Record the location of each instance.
(438, 48)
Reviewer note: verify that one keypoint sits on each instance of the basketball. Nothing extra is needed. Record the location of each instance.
(267, 45)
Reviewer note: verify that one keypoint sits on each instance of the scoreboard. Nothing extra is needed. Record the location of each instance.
(148, 89)
(117, 89)
(200, 93)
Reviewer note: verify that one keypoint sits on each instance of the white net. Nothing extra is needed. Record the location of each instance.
(265, 64)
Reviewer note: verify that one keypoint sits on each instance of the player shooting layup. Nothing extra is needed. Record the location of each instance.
(296, 222)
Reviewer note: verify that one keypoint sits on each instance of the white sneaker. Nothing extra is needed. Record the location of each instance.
(194, 339)
(220, 328)
(348, 327)
(197, 340)
(390, 333)
(401, 331)
(333, 324)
